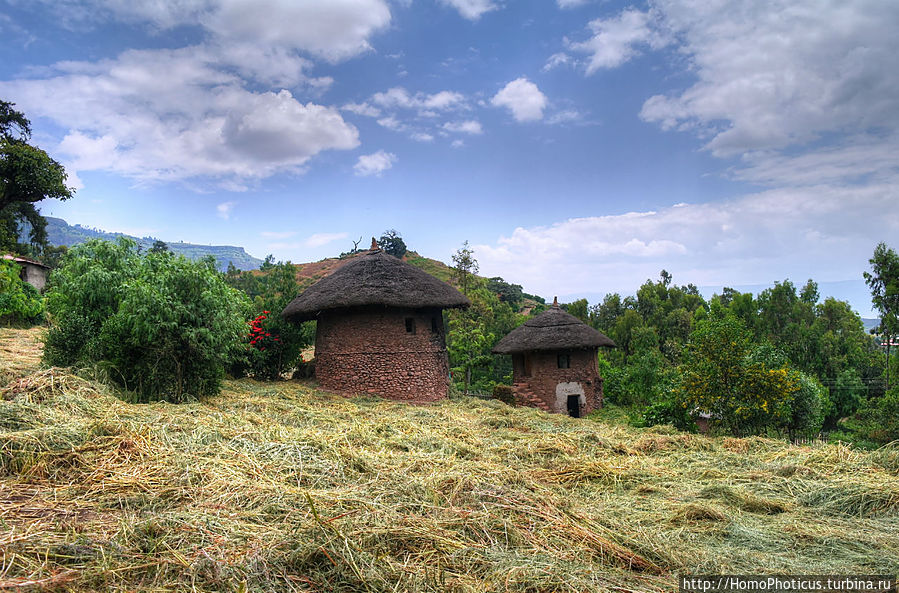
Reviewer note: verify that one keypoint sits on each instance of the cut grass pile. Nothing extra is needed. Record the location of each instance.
(279, 487)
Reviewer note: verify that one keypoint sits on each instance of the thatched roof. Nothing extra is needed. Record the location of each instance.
(554, 329)
(373, 279)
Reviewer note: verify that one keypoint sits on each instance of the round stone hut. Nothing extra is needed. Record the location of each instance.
(554, 364)
(379, 328)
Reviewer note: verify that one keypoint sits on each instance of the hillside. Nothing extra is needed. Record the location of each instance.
(59, 232)
(309, 273)
(280, 487)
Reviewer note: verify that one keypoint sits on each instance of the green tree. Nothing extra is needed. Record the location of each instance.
(469, 340)
(721, 376)
(465, 267)
(161, 247)
(163, 327)
(391, 242)
(27, 176)
(883, 280)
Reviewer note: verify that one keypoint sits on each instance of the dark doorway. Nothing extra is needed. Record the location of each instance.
(574, 406)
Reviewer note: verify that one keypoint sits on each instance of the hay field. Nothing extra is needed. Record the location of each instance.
(278, 487)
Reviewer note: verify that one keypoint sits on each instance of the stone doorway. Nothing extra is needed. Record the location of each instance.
(574, 406)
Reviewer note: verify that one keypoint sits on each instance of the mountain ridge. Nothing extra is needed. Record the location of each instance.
(60, 232)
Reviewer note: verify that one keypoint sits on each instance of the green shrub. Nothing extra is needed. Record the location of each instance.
(273, 345)
(162, 326)
(19, 301)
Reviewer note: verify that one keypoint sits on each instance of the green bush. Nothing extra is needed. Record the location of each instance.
(19, 301)
(162, 326)
(273, 345)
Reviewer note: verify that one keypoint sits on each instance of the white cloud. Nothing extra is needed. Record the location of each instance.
(374, 164)
(566, 116)
(333, 29)
(781, 73)
(822, 232)
(522, 98)
(399, 97)
(571, 3)
(203, 122)
(422, 137)
(457, 143)
(224, 209)
(362, 109)
(464, 127)
(471, 9)
(556, 60)
(615, 40)
(320, 239)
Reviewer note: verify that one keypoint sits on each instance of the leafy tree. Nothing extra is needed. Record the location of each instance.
(465, 267)
(391, 242)
(162, 247)
(883, 280)
(469, 341)
(508, 293)
(161, 326)
(27, 176)
(579, 309)
(720, 376)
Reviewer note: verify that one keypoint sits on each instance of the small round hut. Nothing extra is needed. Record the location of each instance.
(554, 364)
(379, 328)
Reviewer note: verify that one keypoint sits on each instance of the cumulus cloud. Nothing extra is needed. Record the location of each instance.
(374, 164)
(203, 122)
(471, 9)
(614, 41)
(464, 127)
(779, 73)
(332, 29)
(522, 98)
(822, 232)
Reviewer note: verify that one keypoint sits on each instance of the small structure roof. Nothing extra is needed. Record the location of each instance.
(554, 329)
(374, 278)
(24, 260)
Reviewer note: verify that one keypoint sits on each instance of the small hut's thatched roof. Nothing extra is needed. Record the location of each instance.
(372, 279)
(554, 329)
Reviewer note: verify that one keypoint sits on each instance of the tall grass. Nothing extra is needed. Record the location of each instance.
(279, 487)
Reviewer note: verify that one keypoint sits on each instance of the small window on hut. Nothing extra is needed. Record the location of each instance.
(410, 325)
(564, 361)
(435, 325)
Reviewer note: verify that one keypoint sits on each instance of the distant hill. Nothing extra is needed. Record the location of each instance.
(870, 323)
(59, 232)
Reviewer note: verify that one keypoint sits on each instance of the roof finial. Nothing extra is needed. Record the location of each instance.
(556, 302)
(374, 244)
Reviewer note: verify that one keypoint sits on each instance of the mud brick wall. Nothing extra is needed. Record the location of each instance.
(396, 353)
(538, 389)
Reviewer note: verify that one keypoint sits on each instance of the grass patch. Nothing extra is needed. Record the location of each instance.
(278, 487)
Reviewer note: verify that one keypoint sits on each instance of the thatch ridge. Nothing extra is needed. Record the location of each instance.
(375, 279)
(554, 329)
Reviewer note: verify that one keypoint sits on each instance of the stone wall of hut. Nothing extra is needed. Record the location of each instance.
(539, 382)
(396, 353)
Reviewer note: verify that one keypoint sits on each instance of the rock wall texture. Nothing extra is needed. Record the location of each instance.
(540, 383)
(396, 353)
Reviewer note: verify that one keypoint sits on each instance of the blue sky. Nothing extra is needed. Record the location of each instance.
(580, 146)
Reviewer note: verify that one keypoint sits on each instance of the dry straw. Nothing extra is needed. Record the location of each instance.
(278, 487)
